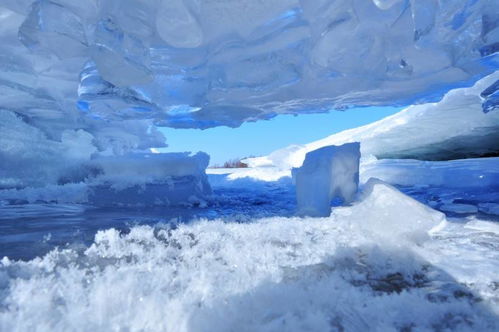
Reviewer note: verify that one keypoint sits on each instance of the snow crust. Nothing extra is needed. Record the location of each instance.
(328, 173)
(272, 274)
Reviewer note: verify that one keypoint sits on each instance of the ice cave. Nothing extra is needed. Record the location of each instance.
(108, 223)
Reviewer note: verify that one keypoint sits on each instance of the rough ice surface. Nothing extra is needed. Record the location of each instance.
(84, 85)
(140, 179)
(126, 68)
(457, 186)
(455, 127)
(186, 63)
(273, 274)
(328, 173)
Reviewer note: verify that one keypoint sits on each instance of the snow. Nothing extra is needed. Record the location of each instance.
(102, 233)
(455, 127)
(328, 173)
(271, 274)
(265, 174)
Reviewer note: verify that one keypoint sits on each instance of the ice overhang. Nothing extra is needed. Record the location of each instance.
(235, 61)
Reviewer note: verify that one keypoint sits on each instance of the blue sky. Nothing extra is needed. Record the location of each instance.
(263, 137)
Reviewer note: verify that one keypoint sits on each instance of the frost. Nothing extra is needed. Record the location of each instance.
(275, 274)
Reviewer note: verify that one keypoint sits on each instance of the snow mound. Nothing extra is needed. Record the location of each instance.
(328, 173)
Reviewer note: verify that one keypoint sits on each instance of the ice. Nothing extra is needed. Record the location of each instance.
(29, 158)
(474, 173)
(85, 84)
(167, 179)
(120, 58)
(74, 169)
(383, 212)
(236, 61)
(113, 72)
(490, 208)
(141, 168)
(328, 173)
(66, 193)
(67, 30)
(274, 274)
(177, 26)
(455, 127)
(459, 208)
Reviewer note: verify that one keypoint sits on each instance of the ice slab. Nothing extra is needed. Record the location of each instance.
(131, 180)
(455, 127)
(490, 208)
(383, 211)
(459, 208)
(328, 173)
(473, 173)
(150, 179)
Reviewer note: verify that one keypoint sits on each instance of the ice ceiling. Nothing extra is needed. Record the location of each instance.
(82, 80)
(204, 63)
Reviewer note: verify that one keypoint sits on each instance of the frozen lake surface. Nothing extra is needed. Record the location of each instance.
(205, 269)
(30, 230)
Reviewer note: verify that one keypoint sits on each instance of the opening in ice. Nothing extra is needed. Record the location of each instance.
(242, 165)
